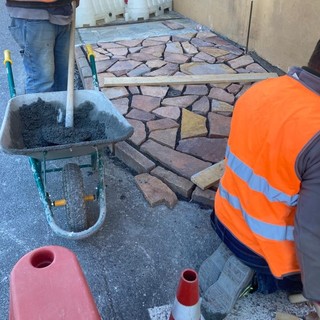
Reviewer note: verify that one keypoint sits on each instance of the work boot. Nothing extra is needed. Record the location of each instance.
(211, 268)
(220, 298)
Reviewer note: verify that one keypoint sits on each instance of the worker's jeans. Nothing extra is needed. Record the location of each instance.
(265, 281)
(45, 48)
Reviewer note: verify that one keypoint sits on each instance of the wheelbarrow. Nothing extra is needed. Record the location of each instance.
(116, 128)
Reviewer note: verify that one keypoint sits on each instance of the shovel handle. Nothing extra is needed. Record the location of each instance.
(8, 63)
(91, 58)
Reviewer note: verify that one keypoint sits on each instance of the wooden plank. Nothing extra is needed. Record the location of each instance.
(209, 176)
(188, 79)
(297, 298)
(286, 316)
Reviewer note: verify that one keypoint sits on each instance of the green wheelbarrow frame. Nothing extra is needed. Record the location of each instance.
(11, 142)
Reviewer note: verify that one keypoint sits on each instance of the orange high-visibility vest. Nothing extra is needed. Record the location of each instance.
(259, 190)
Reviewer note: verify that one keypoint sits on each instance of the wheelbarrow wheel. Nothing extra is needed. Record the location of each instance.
(74, 195)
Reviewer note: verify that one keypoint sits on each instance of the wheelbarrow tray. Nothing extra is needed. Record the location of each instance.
(116, 126)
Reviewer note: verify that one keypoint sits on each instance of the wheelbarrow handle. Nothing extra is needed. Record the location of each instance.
(8, 63)
(91, 58)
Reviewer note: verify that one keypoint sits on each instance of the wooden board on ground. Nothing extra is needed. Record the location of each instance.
(285, 316)
(297, 298)
(188, 79)
(209, 176)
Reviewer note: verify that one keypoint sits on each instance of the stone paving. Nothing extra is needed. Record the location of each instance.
(178, 130)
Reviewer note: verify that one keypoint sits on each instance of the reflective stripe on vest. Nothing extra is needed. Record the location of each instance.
(259, 191)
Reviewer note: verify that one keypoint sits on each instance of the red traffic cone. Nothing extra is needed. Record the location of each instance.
(48, 283)
(186, 305)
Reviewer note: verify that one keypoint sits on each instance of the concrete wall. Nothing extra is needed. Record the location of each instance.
(283, 32)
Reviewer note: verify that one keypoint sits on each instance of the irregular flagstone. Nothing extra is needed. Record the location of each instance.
(205, 34)
(109, 45)
(139, 134)
(201, 106)
(150, 42)
(232, 49)
(234, 88)
(168, 112)
(166, 137)
(162, 124)
(243, 90)
(179, 185)
(140, 70)
(200, 90)
(221, 107)
(125, 66)
(192, 125)
(145, 103)
(103, 65)
(183, 37)
(219, 125)
(180, 163)
(101, 56)
(215, 52)
(200, 43)
(122, 105)
(189, 48)
(130, 43)
(173, 47)
(135, 49)
(115, 92)
(155, 191)
(220, 94)
(255, 67)
(173, 25)
(160, 38)
(134, 90)
(219, 41)
(181, 101)
(154, 50)
(140, 115)
(201, 56)
(212, 150)
(167, 70)
(175, 58)
(141, 56)
(154, 91)
(118, 51)
(205, 68)
(240, 62)
(205, 197)
(155, 63)
(226, 58)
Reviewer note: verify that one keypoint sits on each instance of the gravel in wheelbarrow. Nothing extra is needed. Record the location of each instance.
(34, 125)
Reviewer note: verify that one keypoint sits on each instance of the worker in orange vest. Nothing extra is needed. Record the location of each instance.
(266, 209)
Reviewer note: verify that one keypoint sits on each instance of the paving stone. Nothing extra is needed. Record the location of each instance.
(109, 45)
(232, 49)
(219, 125)
(219, 41)
(130, 43)
(205, 34)
(192, 125)
(135, 49)
(166, 137)
(200, 90)
(101, 56)
(243, 90)
(182, 101)
(234, 88)
(122, 105)
(115, 92)
(189, 48)
(150, 42)
(145, 103)
(140, 115)
(156, 51)
(240, 62)
(255, 67)
(141, 57)
(182, 37)
(221, 95)
(175, 58)
(140, 70)
(118, 51)
(215, 52)
(139, 135)
(168, 112)
(174, 47)
(103, 65)
(212, 150)
(205, 68)
(134, 90)
(173, 25)
(205, 197)
(102, 77)
(155, 191)
(155, 63)
(160, 38)
(200, 43)
(180, 163)
(154, 91)
(181, 186)
(226, 58)
(167, 70)
(222, 85)
(221, 107)
(133, 158)
(124, 66)
(201, 106)
(162, 124)
(175, 90)
(201, 56)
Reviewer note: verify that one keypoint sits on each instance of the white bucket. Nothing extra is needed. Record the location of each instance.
(137, 9)
(85, 14)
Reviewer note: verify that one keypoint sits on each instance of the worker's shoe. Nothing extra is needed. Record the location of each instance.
(211, 268)
(220, 298)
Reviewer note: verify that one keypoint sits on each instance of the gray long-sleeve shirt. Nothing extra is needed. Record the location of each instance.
(307, 221)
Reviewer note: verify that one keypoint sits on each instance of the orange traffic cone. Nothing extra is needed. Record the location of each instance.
(186, 305)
